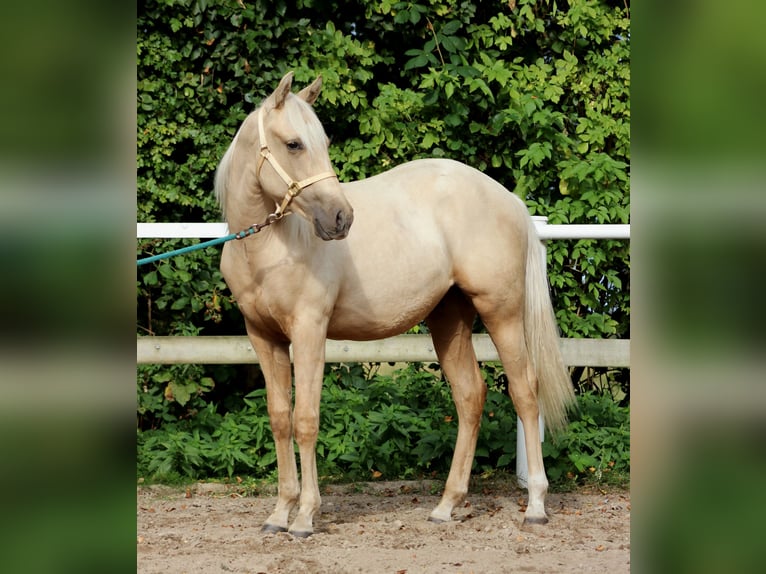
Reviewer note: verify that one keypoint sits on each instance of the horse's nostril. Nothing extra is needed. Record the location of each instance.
(340, 219)
(343, 220)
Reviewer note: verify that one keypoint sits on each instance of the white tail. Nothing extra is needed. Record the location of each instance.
(555, 392)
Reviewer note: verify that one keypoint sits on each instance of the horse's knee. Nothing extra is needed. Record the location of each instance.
(281, 426)
(306, 428)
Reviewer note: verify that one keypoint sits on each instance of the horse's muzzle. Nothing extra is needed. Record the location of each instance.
(337, 229)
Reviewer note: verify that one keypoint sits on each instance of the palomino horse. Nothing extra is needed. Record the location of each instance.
(431, 239)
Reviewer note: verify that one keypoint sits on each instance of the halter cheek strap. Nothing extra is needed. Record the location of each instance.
(294, 188)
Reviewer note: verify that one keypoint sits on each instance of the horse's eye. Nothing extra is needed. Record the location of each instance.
(294, 145)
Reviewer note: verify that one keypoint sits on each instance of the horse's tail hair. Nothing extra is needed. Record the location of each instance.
(555, 391)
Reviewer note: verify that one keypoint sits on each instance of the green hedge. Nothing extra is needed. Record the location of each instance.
(536, 94)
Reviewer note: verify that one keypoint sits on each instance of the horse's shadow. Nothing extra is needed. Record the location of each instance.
(389, 504)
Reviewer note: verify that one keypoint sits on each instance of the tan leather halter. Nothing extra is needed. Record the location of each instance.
(294, 188)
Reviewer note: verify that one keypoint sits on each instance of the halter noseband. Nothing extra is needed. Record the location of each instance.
(294, 188)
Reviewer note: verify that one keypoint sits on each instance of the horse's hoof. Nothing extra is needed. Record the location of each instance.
(301, 533)
(273, 528)
(436, 520)
(531, 521)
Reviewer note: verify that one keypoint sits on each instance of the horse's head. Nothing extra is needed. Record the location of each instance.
(294, 167)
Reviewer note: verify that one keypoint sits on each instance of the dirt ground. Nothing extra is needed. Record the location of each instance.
(382, 527)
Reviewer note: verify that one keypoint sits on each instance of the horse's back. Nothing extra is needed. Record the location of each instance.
(436, 182)
(440, 197)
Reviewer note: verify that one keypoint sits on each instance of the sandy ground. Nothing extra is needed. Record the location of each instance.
(382, 528)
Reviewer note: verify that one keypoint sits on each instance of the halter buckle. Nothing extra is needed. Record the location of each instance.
(294, 189)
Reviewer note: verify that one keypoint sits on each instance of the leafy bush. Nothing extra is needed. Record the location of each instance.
(401, 425)
(596, 445)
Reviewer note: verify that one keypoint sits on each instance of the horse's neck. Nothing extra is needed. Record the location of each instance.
(246, 204)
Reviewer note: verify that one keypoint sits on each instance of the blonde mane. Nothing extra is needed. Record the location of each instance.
(222, 175)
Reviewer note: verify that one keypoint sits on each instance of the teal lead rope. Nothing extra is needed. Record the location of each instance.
(169, 254)
(253, 229)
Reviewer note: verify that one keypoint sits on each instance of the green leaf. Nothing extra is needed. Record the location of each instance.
(166, 271)
(181, 393)
(179, 303)
(402, 16)
(416, 62)
(450, 27)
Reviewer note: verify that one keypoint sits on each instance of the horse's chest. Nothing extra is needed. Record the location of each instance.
(273, 301)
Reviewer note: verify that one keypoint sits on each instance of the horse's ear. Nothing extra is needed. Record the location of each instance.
(283, 89)
(311, 93)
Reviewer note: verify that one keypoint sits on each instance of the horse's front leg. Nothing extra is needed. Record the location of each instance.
(274, 358)
(308, 357)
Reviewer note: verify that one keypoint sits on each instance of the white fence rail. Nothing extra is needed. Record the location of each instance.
(214, 230)
(403, 348)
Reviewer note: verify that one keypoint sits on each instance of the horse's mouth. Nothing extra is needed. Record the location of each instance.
(339, 231)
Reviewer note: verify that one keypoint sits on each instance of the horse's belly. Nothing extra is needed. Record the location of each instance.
(371, 330)
(389, 314)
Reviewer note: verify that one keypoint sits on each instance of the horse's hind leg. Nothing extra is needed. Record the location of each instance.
(450, 324)
(507, 333)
